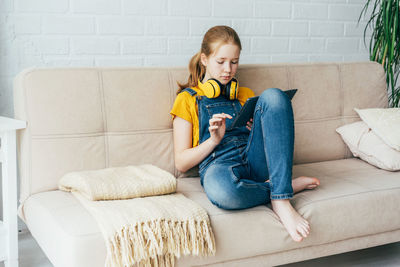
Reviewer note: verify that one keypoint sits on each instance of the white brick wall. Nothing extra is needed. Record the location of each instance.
(42, 6)
(68, 25)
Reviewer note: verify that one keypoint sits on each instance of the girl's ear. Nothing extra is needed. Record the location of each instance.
(203, 59)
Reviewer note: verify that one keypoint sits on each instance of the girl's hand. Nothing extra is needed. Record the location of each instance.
(249, 124)
(218, 126)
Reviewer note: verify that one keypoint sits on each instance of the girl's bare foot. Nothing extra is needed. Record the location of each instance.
(304, 182)
(296, 225)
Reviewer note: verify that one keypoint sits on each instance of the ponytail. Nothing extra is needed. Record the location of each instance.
(197, 72)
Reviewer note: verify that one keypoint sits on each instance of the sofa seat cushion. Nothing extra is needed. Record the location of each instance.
(353, 192)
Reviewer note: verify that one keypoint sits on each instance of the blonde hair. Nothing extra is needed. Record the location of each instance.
(214, 38)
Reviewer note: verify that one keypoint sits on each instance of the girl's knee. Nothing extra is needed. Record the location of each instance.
(274, 97)
(220, 190)
(272, 94)
(225, 201)
(216, 193)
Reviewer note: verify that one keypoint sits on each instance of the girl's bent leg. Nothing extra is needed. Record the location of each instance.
(226, 190)
(270, 147)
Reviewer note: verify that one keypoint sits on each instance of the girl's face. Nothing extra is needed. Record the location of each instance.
(223, 64)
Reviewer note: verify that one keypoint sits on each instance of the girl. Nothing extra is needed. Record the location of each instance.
(246, 166)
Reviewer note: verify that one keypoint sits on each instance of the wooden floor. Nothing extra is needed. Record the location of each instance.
(388, 255)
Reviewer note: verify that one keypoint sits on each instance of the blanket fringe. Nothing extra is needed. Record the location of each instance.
(157, 243)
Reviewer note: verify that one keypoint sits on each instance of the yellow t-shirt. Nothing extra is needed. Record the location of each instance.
(185, 107)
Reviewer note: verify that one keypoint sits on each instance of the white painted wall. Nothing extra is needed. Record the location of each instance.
(168, 32)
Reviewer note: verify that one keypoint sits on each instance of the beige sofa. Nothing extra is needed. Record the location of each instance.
(93, 118)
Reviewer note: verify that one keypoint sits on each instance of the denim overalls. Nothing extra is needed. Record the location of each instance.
(234, 175)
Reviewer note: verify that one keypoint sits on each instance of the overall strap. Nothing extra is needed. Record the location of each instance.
(190, 91)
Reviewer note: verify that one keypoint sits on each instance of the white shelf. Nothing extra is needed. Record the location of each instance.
(7, 124)
(8, 159)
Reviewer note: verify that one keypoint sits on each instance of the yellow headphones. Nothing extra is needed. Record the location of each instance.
(212, 88)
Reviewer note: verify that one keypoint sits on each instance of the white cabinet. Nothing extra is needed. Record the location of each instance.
(8, 159)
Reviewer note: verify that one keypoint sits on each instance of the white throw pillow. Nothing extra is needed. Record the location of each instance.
(384, 122)
(365, 144)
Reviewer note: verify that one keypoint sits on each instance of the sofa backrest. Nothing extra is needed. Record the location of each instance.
(92, 118)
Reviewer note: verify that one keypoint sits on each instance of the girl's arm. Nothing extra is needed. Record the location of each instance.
(187, 156)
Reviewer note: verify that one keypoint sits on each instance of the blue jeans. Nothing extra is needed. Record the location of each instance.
(234, 175)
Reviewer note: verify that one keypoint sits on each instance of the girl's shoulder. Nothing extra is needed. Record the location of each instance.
(187, 97)
(184, 105)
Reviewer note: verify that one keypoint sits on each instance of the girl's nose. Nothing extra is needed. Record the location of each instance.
(228, 67)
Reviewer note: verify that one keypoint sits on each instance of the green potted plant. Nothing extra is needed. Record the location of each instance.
(384, 46)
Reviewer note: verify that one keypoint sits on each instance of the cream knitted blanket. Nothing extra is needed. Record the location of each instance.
(146, 223)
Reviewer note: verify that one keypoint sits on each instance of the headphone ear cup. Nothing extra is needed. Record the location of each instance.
(211, 88)
(232, 89)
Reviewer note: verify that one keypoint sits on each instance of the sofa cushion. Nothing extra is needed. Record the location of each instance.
(365, 144)
(384, 122)
(351, 190)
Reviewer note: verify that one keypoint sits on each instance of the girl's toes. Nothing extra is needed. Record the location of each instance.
(301, 232)
(297, 237)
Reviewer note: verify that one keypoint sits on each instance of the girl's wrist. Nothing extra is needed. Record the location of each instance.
(214, 141)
